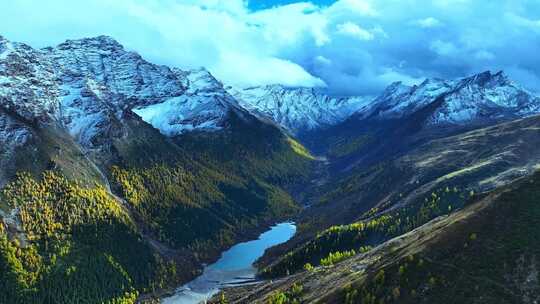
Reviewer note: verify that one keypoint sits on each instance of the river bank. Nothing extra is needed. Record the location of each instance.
(234, 267)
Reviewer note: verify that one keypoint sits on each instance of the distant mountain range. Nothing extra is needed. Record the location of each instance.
(61, 80)
(484, 96)
(299, 110)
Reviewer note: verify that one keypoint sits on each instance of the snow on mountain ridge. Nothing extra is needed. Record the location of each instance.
(28, 82)
(481, 96)
(298, 109)
(88, 85)
(105, 60)
(5, 47)
(86, 111)
(203, 106)
(200, 81)
(485, 96)
(170, 99)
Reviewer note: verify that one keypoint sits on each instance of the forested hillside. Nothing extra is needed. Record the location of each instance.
(69, 242)
(100, 203)
(485, 253)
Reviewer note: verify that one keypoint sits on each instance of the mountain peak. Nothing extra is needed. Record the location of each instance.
(484, 95)
(394, 90)
(269, 87)
(433, 81)
(487, 79)
(104, 59)
(281, 89)
(99, 42)
(201, 81)
(396, 86)
(298, 109)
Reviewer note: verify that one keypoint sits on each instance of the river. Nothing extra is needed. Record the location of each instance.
(235, 266)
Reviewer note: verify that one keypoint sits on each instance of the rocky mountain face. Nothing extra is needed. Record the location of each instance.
(204, 106)
(87, 83)
(481, 97)
(28, 83)
(90, 86)
(298, 110)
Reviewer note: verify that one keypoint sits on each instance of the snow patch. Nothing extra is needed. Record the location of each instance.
(82, 116)
(180, 114)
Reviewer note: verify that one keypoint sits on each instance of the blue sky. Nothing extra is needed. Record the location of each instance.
(351, 47)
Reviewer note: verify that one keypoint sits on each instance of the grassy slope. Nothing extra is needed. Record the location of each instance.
(488, 256)
(486, 253)
(363, 235)
(478, 160)
(393, 193)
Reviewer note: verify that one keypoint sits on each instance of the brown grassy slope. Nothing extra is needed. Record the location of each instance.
(486, 253)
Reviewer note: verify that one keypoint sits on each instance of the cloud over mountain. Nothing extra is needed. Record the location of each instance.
(351, 46)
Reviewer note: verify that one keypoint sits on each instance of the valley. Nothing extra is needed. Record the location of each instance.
(233, 268)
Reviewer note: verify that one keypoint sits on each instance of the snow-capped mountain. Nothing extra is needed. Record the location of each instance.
(123, 72)
(171, 100)
(484, 96)
(400, 100)
(298, 109)
(203, 106)
(89, 85)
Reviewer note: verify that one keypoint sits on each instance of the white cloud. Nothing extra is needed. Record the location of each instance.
(290, 23)
(353, 46)
(443, 48)
(353, 7)
(323, 60)
(353, 30)
(450, 3)
(428, 22)
(264, 70)
(533, 24)
(484, 55)
(239, 47)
